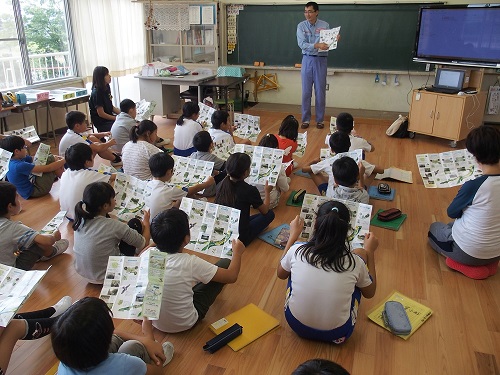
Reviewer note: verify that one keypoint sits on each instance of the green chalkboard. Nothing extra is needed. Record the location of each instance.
(380, 36)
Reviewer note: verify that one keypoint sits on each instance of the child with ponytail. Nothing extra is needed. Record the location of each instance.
(136, 152)
(234, 192)
(186, 128)
(97, 236)
(325, 278)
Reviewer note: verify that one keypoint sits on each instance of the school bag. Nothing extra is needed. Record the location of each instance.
(399, 128)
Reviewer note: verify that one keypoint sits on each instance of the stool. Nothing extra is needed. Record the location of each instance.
(221, 103)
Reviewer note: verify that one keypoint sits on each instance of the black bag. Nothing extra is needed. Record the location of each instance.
(402, 132)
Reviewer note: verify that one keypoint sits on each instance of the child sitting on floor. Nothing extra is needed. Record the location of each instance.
(345, 124)
(223, 129)
(21, 169)
(163, 194)
(77, 133)
(234, 192)
(183, 304)
(325, 278)
(282, 186)
(84, 339)
(21, 246)
(349, 183)
(204, 145)
(74, 180)
(287, 140)
(97, 236)
(471, 243)
(186, 128)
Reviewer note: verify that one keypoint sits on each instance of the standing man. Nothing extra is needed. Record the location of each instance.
(314, 59)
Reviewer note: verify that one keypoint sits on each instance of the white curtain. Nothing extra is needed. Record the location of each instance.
(109, 33)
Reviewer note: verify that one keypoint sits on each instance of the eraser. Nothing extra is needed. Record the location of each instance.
(298, 65)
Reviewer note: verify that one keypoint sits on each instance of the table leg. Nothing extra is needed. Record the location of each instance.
(49, 118)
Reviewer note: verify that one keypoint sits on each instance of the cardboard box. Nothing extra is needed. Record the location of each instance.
(36, 95)
(61, 95)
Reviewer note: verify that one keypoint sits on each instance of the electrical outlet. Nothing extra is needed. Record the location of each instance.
(327, 86)
(427, 67)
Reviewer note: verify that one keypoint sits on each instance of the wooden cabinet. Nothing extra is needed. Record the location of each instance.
(446, 116)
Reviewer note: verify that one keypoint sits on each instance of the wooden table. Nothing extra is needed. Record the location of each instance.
(70, 102)
(4, 112)
(35, 106)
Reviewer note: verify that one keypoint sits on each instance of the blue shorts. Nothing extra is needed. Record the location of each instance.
(323, 188)
(337, 335)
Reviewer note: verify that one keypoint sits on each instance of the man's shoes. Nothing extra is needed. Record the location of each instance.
(162, 142)
(304, 125)
(320, 125)
(58, 248)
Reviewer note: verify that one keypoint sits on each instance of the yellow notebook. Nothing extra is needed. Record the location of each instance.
(417, 313)
(255, 322)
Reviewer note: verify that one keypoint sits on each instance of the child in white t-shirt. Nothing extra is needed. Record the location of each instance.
(325, 279)
(163, 194)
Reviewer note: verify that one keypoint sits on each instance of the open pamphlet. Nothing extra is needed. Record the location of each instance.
(301, 145)
(189, 172)
(333, 127)
(360, 218)
(266, 163)
(212, 227)
(394, 173)
(130, 196)
(205, 117)
(41, 156)
(247, 126)
(326, 153)
(54, 224)
(4, 162)
(144, 109)
(15, 287)
(447, 169)
(29, 133)
(329, 37)
(417, 313)
(133, 287)
(223, 148)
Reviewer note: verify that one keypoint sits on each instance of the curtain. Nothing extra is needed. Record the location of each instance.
(109, 33)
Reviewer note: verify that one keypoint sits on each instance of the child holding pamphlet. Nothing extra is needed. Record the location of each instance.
(182, 304)
(235, 192)
(28, 326)
(21, 169)
(287, 140)
(325, 278)
(84, 339)
(186, 128)
(222, 129)
(471, 243)
(21, 246)
(97, 236)
(163, 194)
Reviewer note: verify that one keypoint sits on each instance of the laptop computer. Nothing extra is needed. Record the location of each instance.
(448, 81)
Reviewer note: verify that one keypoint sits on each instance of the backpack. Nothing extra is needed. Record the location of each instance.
(399, 128)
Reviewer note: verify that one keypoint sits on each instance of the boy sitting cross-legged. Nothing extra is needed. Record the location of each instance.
(77, 133)
(164, 195)
(21, 169)
(182, 304)
(21, 246)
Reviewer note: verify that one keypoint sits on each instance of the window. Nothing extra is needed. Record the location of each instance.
(35, 42)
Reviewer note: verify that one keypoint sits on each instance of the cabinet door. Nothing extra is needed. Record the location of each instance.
(448, 118)
(422, 112)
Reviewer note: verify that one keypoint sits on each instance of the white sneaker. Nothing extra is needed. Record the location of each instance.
(61, 306)
(59, 247)
(162, 142)
(168, 350)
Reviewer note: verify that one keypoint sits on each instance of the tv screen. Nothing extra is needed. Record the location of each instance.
(466, 35)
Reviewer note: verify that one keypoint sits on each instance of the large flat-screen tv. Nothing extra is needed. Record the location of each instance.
(467, 35)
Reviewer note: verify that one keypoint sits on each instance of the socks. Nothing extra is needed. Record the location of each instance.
(50, 312)
(474, 272)
(36, 328)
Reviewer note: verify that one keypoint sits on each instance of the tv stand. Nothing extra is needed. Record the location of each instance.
(448, 116)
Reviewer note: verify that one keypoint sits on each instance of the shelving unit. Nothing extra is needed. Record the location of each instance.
(193, 48)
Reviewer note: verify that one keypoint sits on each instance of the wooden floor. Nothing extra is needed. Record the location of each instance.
(462, 336)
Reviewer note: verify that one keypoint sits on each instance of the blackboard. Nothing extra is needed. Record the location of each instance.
(373, 37)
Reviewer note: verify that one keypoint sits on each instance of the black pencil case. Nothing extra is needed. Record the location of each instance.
(223, 338)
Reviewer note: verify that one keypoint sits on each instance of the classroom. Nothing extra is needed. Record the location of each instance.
(372, 75)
